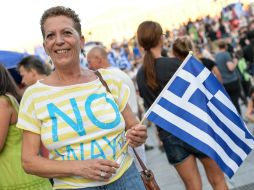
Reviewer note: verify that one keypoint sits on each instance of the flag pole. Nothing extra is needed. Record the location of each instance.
(167, 85)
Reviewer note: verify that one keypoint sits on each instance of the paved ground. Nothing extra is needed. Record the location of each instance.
(168, 179)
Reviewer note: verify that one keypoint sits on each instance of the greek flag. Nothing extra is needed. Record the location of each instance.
(195, 107)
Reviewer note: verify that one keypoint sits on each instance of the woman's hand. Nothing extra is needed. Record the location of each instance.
(96, 169)
(136, 135)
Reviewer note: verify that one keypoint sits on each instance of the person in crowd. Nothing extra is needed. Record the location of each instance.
(151, 78)
(245, 77)
(242, 35)
(250, 106)
(12, 174)
(250, 110)
(206, 52)
(227, 66)
(211, 36)
(136, 54)
(222, 29)
(209, 64)
(248, 52)
(32, 69)
(82, 125)
(118, 57)
(183, 45)
(97, 59)
(251, 25)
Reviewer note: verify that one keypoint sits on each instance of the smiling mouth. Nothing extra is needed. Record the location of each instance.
(62, 51)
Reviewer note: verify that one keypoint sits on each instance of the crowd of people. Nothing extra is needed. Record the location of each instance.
(67, 126)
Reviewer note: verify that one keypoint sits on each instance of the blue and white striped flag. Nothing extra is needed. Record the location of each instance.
(195, 107)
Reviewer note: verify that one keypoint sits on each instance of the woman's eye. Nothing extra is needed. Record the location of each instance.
(67, 33)
(49, 36)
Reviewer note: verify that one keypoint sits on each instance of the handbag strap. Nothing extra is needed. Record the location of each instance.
(107, 88)
(102, 81)
(143, 166)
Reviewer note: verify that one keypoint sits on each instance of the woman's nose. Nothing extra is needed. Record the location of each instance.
(59, 39)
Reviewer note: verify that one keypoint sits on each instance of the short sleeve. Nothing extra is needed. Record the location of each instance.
(119, 90)
(27, 119)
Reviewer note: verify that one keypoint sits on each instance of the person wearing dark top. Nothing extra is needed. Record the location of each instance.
(209, 64)
(211, 34)
(230, 48)
(243, 36)
(166, 68)
(222, 29)
(151, 78)
(212, 37)
(248, 52)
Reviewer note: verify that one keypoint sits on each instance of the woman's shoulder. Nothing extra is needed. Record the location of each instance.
(38, 84)
(107, 74)
(34, 90)
(105, 71)
(168, 60)
(140, 71)
(5, 102)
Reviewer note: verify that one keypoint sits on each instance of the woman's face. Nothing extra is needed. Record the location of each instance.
(62, 42)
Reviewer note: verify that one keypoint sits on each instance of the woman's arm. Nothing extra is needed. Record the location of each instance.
(5, 120)
(34, 164)
(136, 133)
(249, 110)
(217, 73)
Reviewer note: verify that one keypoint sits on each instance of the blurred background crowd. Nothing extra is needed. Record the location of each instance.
(232, 28)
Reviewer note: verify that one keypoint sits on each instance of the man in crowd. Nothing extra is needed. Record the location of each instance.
(32, 69)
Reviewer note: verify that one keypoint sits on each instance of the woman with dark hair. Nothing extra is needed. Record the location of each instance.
(151, 78)
(12, 174)
(7, 84)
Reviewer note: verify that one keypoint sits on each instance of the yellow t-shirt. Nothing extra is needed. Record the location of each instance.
(78, 122)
